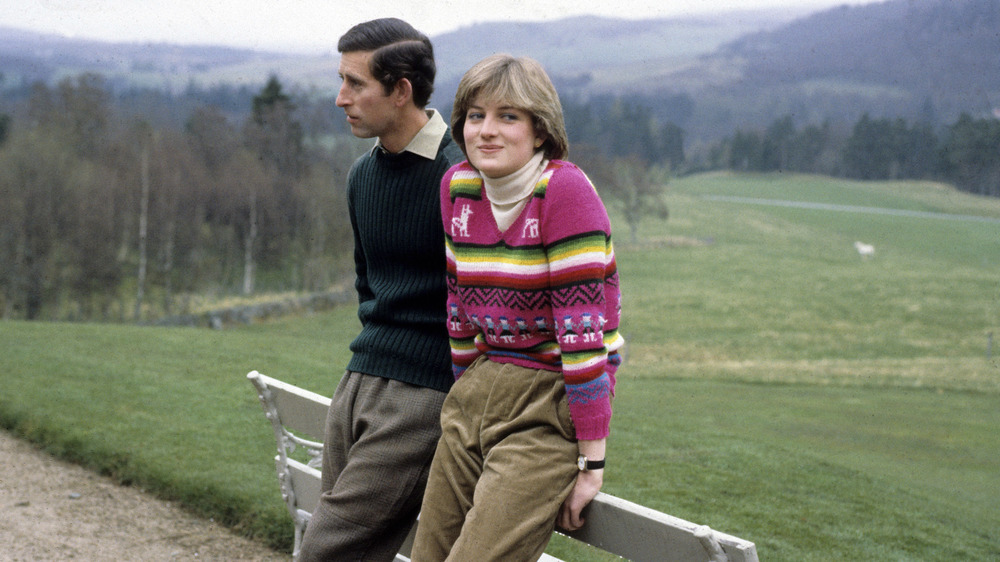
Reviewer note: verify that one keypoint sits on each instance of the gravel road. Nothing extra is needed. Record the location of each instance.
(52, 510)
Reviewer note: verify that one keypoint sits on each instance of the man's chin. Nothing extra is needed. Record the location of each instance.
(361, 133)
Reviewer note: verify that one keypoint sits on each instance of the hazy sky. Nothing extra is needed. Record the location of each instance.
(315, 25)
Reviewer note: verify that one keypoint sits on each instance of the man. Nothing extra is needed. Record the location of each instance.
(383, 423)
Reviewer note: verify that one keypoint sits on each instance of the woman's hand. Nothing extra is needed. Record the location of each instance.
(588, 483)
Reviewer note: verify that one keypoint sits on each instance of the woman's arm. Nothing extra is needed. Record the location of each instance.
(576, 236)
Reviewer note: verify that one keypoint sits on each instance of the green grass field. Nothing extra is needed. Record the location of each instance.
(776, 386)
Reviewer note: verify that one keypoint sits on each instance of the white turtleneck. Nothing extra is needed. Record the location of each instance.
(509, 194)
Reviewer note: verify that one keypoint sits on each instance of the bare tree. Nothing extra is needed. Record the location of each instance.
(628, 183)
(638, 188)
(34, 168)
(140, 290)
(212, 138)
(247, 185)
(179, 209)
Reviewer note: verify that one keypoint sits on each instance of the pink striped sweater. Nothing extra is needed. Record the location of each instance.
(544, 293)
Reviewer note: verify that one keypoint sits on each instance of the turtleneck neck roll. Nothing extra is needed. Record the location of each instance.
(509, 194)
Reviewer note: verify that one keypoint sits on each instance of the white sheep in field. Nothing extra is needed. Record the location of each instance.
(864, 250)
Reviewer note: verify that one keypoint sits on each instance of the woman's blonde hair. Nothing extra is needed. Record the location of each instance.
(521, 83)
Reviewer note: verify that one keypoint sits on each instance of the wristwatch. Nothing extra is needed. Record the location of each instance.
(583, 464)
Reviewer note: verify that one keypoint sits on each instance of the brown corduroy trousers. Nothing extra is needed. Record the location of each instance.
(380, 439)
(503, 466)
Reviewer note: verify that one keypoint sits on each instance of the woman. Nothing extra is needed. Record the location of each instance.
(534, 306)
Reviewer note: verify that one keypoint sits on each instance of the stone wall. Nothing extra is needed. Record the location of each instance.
(248, 314)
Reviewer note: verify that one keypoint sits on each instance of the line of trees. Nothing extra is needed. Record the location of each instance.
(966, 153)
(109, 213)
(104, 216)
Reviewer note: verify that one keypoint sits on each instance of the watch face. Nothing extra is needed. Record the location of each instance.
(581, 462)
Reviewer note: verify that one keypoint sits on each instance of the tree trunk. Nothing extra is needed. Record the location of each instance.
(167, 266)
(248, 243)
(140, 290)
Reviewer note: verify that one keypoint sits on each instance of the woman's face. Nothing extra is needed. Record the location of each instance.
(499, 139)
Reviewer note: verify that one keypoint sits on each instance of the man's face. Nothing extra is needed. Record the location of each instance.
(370, 112)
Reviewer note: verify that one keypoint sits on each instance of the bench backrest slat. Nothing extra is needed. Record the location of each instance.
(641, 534)
(305, 480)
(302, 411)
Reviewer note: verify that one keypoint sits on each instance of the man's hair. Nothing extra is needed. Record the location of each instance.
(398, 51)
(520, 83)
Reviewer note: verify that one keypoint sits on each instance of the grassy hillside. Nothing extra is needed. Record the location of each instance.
(776, 386)
(829, 362)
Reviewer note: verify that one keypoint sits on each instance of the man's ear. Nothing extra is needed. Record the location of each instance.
(402, 92)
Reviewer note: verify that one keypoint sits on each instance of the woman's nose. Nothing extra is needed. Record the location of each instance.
(489, 127)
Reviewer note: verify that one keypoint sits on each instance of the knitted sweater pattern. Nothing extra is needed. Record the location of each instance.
(400, 268)
(544, 293)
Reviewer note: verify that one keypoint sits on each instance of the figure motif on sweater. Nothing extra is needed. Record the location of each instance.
(461, 222)
(530, 228)
(543, 293)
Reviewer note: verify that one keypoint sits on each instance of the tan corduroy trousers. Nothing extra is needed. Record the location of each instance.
(503, 466)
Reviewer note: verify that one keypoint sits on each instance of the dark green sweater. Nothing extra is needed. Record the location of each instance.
(399, 259)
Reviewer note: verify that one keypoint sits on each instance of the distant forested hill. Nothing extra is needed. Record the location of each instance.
(614, 54)
(941, 55)
(930, 44)
(927, 60)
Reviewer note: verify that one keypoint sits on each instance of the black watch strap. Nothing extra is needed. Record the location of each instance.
(583, 463)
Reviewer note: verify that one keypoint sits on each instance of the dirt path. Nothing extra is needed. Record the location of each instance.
(53, 510)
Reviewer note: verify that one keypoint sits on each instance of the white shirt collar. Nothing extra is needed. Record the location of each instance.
(427, 140)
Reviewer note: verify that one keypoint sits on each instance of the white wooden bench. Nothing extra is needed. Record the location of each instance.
(614, 525)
